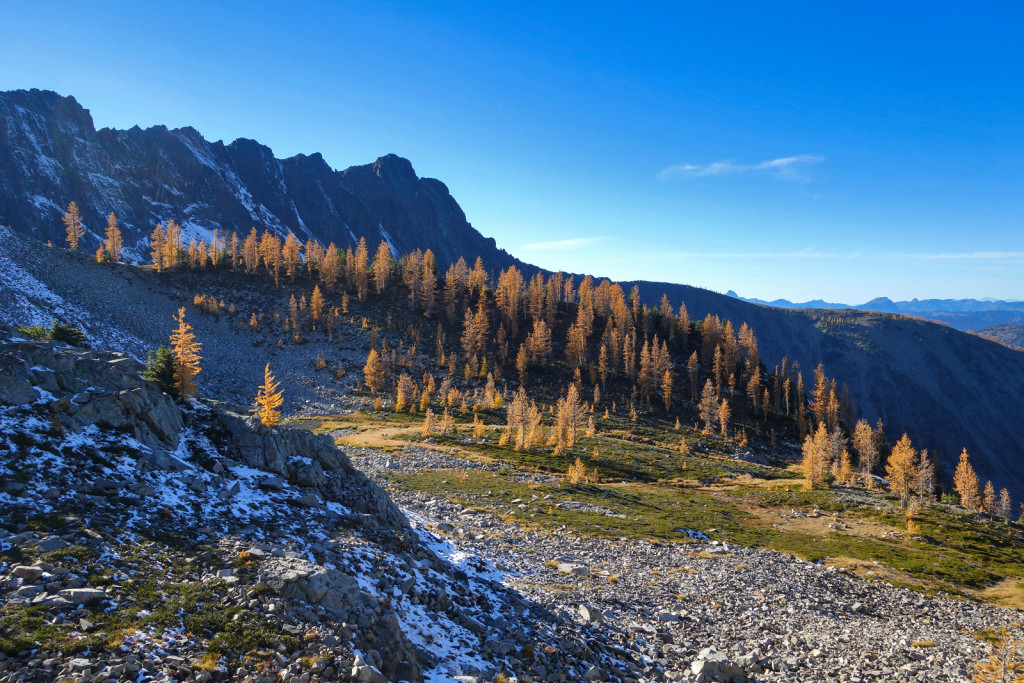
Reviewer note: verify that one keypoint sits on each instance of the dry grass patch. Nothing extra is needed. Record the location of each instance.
(1007, 593)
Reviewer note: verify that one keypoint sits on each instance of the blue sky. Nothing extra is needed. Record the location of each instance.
(842, 150)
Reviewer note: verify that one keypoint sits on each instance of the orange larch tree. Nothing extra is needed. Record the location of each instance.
(186, 356)
(73, 226)
(269, 398)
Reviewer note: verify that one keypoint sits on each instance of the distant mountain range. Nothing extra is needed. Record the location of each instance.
(946, 389)
(971, 315)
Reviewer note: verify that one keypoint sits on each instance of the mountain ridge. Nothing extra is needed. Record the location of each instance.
(910, 374)
(970, 315)
(51, 153)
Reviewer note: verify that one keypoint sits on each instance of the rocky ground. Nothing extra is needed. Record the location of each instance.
(143, 540)
(147, 540)
(706, 608)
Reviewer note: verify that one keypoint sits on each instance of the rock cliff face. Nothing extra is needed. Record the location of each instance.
(51, 154)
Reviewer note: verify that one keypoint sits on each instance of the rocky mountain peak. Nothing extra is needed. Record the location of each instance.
(51, 154)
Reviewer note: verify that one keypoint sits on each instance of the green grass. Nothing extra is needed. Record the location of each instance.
(959, 555)
(627, 451)
(159, 597)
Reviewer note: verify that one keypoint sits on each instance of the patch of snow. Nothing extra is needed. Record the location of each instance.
(387, 238)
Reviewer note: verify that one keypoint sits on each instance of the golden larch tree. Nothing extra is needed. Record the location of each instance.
(73, 226)
(291, 254)
(329, 266)
(251, 251)
(186, 356)
(382, 265)
(724, 413)
(865, 443)
(373, 372)
(362, 269)
(113, 243)
(708, 406)
(901, 469)
(316, 305)
(965, 482)
(1004, 663)
(172, 245)
(989, 497)
(269, 398)
(156, 247)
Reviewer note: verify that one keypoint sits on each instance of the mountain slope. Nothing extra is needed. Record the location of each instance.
(947, 390)
(1011, 335)
(51, 154)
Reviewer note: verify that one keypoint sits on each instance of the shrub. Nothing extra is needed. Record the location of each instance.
(33, 332)
(160, 370)
(66, 334)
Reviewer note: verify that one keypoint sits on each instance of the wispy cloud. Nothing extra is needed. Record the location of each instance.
(574, 243)
(974, 256)
(785, 168)
(801, 254)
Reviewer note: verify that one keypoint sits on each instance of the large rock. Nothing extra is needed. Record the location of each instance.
(89, 388)
(302, 458)
(343, 601)
(712, 666)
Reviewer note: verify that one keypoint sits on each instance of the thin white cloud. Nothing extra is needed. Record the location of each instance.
(804, 254)
(974, 256)
(784, 168)
(574, 243)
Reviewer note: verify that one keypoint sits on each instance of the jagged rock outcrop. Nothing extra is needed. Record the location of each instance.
(306, 460)
(51, 154)
(96, 438)
(82, 387)
(73, 382)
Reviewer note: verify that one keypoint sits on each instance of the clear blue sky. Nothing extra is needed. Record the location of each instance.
(842, 150)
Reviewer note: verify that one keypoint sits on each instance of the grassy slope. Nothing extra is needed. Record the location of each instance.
(646, 489)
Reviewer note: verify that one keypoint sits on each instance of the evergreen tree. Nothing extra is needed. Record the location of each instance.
(160, 369)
